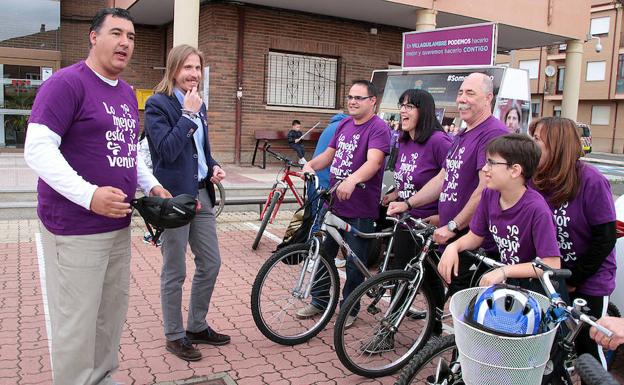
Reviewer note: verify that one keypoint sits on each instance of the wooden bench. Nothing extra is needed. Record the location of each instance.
(267, 136)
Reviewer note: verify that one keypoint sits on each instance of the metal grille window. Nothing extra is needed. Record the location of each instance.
(301, 81)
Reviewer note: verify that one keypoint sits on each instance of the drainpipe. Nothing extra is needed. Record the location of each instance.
(239, 86)
(614, 63)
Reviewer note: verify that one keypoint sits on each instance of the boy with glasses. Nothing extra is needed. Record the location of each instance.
(516, 216)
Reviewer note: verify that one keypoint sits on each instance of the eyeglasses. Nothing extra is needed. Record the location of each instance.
(408, 107)
(492, 163)
(358, 98)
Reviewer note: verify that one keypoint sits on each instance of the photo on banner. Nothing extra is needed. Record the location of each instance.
(514, 114)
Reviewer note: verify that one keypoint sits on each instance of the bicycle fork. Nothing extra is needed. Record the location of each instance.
(310, 266)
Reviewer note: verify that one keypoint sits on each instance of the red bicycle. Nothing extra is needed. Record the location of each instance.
(278, 193)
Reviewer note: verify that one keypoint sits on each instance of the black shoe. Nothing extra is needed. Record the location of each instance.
(184, 349)
(208, 336)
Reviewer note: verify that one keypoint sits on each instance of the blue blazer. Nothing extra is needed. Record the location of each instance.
(172, 146)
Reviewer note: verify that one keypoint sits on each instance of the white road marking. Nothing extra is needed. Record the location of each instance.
(44, 292)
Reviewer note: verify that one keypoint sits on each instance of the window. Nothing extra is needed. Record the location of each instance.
(619, 84)
(595, 71)
(536, 107)
(530, 65)
(599, 26)
(301, 80)
(601, 115)
(560, 79)
(557, 111)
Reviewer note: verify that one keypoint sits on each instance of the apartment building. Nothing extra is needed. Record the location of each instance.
(601, 96)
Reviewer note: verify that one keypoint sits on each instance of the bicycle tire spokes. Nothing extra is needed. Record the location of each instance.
(278, 293)
(374, 346)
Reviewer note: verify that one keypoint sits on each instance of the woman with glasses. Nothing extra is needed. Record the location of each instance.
(582, 205)
(423, 147)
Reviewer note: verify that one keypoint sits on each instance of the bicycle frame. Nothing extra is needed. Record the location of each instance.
(561, 364)
(282, 185)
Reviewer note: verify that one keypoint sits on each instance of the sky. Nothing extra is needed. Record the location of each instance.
(24, 17)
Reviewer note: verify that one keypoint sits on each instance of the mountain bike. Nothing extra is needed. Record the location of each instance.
(276, 196)
(397, 312)
(438, 362)
(286, 281)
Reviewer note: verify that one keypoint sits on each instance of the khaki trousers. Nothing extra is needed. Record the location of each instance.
(87, 281)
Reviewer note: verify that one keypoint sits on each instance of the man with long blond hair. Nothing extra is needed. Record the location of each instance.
(177, 134)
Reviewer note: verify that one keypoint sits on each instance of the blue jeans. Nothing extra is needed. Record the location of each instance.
(359, 246)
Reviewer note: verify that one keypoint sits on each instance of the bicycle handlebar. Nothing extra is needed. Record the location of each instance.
(575, 313)
(480, 255)
(281, 157)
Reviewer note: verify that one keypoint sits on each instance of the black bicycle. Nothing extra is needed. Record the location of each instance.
(438, 364)
(397, 312)
(287, 280)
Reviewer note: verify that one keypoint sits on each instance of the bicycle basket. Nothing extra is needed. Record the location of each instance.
(490, 359)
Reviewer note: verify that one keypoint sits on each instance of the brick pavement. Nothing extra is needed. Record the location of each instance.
(249, 359)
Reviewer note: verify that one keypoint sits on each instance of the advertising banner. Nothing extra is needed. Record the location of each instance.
(465, 46)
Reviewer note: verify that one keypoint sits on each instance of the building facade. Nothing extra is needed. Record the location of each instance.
(266, 65)
(601, 97)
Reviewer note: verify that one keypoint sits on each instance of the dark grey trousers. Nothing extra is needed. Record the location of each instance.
(201, 235)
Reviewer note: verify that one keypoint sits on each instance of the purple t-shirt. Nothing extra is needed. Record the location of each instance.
(521, 232)
(416, 164)
(464, 161)
(592, 206)
(98, 125)
(352, 142)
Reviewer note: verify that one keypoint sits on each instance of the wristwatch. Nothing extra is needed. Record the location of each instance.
(452, 226)
(409, 206)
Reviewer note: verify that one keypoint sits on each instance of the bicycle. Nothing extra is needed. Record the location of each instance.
(438, 363)
(278, 192)
(397, 313)
(285, 281)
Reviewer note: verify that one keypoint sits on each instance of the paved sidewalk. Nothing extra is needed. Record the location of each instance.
(249, 359)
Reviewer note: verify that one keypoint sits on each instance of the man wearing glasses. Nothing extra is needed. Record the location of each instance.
(459, 185)
(356, 154)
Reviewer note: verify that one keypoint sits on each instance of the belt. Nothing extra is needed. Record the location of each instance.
(201, 184)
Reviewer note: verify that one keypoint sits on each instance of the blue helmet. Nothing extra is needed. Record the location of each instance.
(505, 310)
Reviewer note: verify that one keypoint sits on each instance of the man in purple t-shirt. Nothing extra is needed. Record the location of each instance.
(356, 155)
(516, 216)
(82, 142)
(460, 183)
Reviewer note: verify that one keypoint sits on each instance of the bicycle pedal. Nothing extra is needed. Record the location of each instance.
(372, 309)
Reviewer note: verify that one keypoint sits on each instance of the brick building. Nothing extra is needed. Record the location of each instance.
(267, 65)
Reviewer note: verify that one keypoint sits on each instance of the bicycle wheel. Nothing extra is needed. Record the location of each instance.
(372, 346)
(276, 295)
(267, 217)
(592, 372)
(421, 369)
(220, 195)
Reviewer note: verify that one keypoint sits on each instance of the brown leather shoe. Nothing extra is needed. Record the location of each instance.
(184, 349)
(208, 336)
